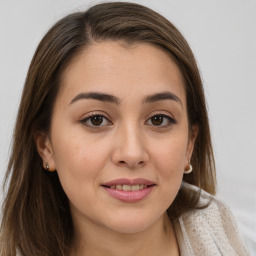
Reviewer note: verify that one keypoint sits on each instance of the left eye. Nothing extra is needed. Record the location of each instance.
(95, 121)
(160, 120)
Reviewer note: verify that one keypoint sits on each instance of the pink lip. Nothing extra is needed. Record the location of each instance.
(125, 181)
(129, 196)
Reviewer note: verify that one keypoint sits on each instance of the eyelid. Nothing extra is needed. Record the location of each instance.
(96, 113)
(161, 113)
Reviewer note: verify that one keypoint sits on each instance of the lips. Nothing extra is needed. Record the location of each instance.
(138, 181)
(129, 190)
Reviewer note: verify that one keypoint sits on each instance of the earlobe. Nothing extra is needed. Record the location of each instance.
(44, 149)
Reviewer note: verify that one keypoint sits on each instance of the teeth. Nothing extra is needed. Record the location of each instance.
(141, 186)
(119, 187)
(135, 187)
(129, 187)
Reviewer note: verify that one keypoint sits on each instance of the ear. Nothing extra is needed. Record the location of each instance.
(191, 140)
(44, 149)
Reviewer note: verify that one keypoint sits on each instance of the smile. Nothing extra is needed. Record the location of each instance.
(129, 187)
(129, 190)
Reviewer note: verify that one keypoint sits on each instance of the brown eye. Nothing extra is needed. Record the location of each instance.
(157, 120)
(96, 120)
(161, 120)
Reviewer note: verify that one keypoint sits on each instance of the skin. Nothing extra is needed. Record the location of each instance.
(127, 144)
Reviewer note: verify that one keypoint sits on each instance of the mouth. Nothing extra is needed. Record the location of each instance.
(126, 187)
(129, 190)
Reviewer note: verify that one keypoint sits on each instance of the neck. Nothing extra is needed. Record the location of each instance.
(159, 239)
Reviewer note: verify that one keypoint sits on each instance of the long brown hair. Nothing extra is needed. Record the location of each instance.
(36, 217)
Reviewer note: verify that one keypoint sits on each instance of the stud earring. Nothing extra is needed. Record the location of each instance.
(47, 167)
(188, 170)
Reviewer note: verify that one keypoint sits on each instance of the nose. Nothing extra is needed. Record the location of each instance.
(130, 149)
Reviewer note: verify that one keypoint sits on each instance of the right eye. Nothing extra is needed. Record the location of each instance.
(95, 121)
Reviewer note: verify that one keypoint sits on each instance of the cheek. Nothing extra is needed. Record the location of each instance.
(170, 157)
(170, 165)
(78, 163)
(74, 148)
(169, 161)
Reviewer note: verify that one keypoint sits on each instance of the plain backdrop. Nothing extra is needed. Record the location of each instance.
(222, 34)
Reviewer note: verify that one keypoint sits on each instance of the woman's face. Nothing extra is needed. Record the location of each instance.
(119, 136)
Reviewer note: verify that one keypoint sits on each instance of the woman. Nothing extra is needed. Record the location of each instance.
(112, 151)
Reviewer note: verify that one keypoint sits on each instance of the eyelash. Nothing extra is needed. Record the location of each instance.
(170, 121)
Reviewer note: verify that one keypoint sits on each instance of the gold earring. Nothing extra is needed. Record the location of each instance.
(189, 169)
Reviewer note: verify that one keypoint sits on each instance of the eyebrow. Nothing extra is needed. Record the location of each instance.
(162, 96)
(113, 99)
(96, 96)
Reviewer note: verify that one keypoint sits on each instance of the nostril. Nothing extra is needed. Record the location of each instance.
(139, 163)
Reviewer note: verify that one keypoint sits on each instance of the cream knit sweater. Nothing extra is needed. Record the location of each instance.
(209, 232)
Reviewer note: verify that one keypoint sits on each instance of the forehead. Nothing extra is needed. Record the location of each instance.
(114, 68)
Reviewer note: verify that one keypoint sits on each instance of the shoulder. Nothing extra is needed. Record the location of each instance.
(211, 230)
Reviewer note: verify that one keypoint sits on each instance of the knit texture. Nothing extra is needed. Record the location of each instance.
(209, 232)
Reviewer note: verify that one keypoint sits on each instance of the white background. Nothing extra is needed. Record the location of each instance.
(222, 34)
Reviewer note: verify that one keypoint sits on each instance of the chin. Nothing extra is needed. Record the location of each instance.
(132, 224)
(129, 229)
